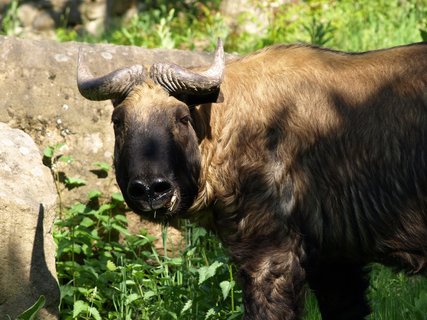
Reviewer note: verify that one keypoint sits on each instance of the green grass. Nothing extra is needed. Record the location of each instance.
(396, 296)
(346, 25)
(350, 25)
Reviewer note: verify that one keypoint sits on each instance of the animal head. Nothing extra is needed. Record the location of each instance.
(156, 156)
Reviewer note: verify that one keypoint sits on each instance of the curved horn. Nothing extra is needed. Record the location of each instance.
(177, 80)
(115, 85)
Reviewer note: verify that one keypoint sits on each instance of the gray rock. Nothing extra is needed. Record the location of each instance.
(27, 211)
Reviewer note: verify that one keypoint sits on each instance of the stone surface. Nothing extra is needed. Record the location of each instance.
(27, 211)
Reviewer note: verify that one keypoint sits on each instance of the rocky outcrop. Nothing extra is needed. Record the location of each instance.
(27, 212)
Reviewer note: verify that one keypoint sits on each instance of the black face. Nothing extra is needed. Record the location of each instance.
(156, 158)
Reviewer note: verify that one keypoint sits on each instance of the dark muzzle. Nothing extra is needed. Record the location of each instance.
(152, 195)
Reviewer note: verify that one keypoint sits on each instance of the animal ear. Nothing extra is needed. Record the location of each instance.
(189, 86)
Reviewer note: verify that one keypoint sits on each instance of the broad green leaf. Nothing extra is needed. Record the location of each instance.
(131, 298)
(79, 307)
(149, 294)
(66, 159)
(87, 222)
(210, 313)
(48, 152)
(122, 230)
(176, 261)
(187, 306)
(226, 286)
(77, 208)
(111, 265)
(118, 197)
(105, 207)
(95, 313)
(75, 182)
(121, 218)
(208, 272)
(94, 194)
(102, 166)
(198, 233)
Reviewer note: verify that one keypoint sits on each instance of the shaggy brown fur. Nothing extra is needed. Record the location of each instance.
(316, 164)
(313, 166)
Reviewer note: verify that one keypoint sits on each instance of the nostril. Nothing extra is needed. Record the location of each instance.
(137, 189)
(161, 186)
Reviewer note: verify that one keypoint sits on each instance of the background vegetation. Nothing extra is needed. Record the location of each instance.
(344, 24)
(107, 273)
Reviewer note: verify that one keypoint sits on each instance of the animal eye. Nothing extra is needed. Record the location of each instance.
(116, 120)
(185, 119)
(117, 117)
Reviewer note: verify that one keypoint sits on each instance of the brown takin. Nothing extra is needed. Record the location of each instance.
(311, 162)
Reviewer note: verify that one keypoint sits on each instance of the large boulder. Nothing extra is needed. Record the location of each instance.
(27, 212)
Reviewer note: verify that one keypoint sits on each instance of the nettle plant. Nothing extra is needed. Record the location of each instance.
(107, 273)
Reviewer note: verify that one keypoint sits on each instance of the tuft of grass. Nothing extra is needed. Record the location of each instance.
(345, 25)
(397, 296)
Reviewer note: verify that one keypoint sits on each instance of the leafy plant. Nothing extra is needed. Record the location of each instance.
(55, 160)
(320, 33)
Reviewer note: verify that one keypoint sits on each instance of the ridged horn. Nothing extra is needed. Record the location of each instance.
(115, 85)
(177, 80)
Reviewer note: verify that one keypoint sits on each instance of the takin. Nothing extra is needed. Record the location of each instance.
(310, 164)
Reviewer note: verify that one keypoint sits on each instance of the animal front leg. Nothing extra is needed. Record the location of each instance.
(273, 285)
